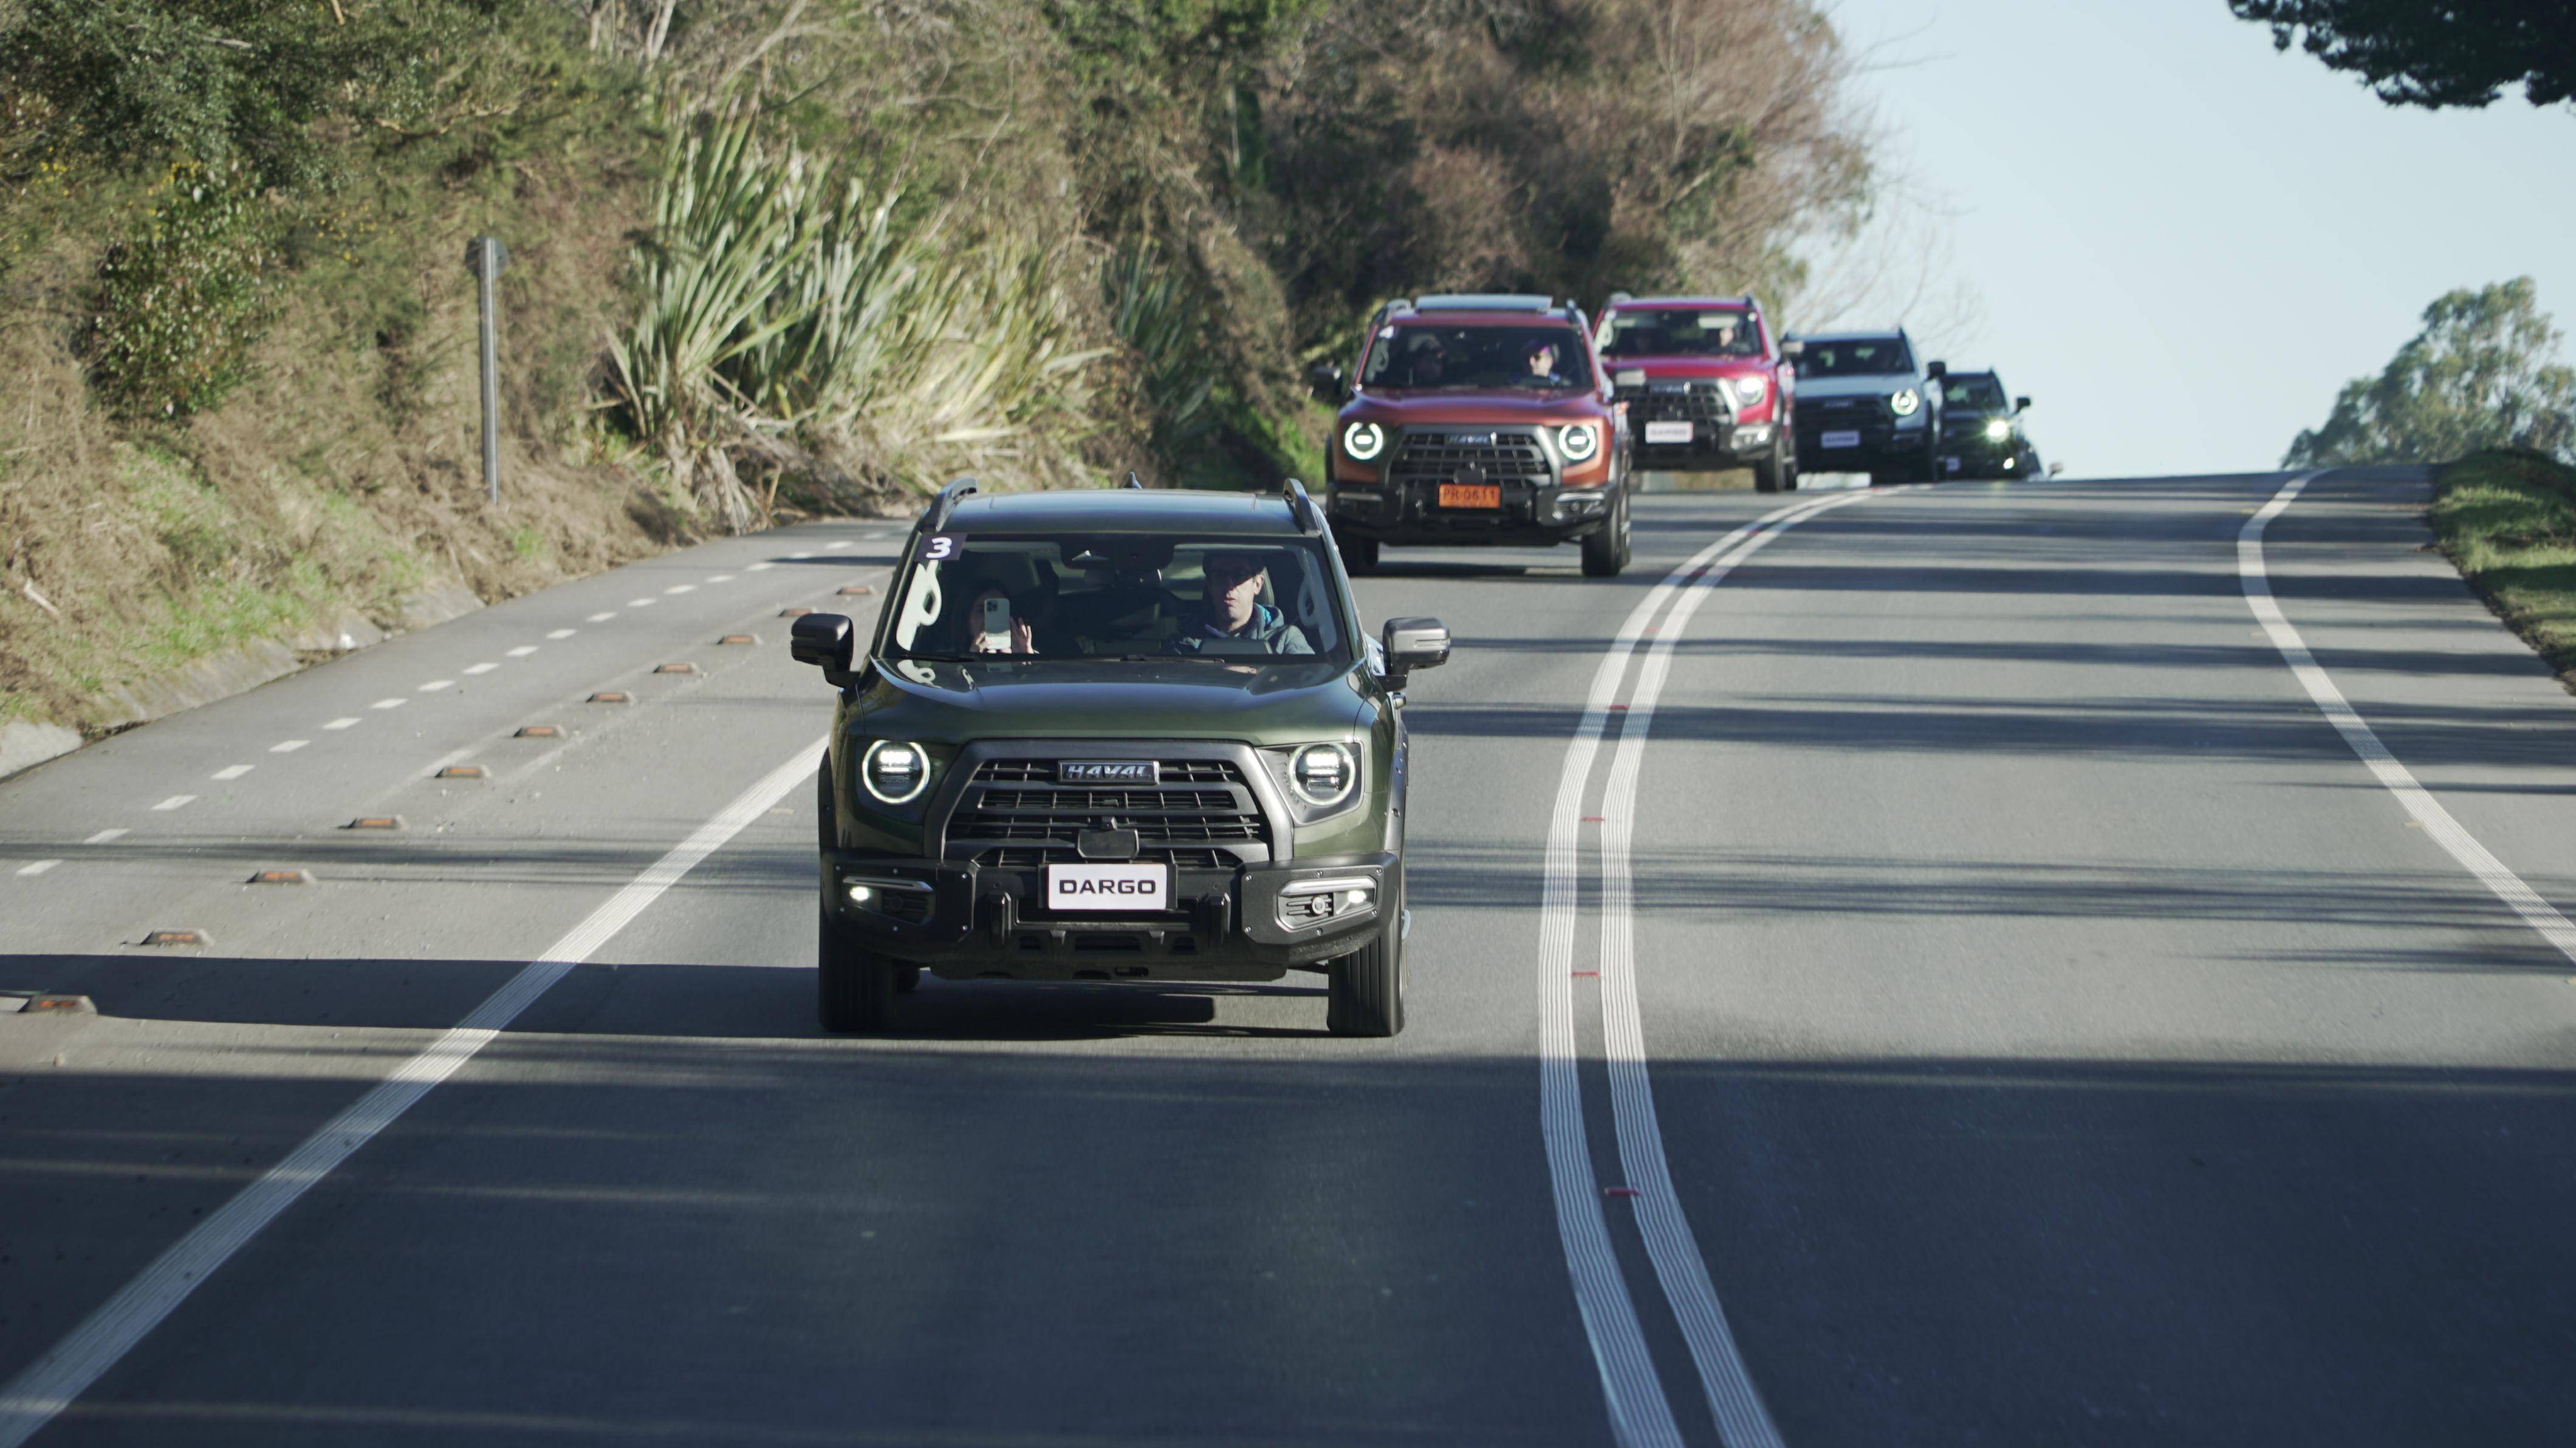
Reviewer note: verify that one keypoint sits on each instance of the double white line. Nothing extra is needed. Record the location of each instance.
(1639, 1412)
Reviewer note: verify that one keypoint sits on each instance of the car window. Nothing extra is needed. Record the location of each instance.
(1855, 357)
(1980, 391)
(1487, 359)
(1120, 596)
(1681, 332)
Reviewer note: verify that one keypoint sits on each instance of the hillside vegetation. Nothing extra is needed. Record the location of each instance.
(2508, 519)
(771, 258)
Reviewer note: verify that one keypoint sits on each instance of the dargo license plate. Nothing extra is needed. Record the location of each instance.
(1122, 889)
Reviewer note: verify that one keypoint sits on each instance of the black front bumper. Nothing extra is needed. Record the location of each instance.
(1402, 505)
(1877, 450)
(963, 920)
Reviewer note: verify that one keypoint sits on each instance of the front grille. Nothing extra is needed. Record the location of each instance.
(1871, 417)
(1439, 456)
(1203, 815)
(1680, 402)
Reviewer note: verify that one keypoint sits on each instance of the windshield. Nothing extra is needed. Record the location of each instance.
(1855, 357)
(1485, 358)
(1119, 596)
(1679, 332)
(1975, 391)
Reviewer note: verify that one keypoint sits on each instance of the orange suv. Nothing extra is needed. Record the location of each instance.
(1477, 420)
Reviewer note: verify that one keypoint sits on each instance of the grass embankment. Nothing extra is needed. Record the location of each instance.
(2508, 520)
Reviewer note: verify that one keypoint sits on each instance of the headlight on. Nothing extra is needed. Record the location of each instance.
(1905, 401)
(1749, 391)
(894, 771)
(1997, 429)
(1579, 441)
(1323, 774)
(1362, 441)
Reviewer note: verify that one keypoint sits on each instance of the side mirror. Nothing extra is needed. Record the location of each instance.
(1324, 380)
(2055, 468)
(1414, 643)
(1793, 347)
(824, 640)
(1627, 380)
(1936, 371)
(2021, 404)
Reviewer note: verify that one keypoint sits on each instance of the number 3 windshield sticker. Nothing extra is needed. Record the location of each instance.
(940, 547)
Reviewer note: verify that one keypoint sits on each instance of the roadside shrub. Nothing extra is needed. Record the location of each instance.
(182, 301)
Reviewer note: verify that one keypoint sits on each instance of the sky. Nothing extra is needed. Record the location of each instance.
(2178, 242)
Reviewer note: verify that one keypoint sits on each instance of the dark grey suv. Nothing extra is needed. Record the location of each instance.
(1868, 404)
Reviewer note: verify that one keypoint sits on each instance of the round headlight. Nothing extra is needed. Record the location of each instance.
(1749, 391)
(1905, 401)
(1579, 441)
(1362, 441)
(1323, 774)
(894, 771)
(1998, 429)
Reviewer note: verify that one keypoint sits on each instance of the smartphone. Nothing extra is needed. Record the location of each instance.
(997, 623)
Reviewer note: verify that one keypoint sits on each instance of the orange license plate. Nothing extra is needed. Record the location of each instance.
(1471, 495)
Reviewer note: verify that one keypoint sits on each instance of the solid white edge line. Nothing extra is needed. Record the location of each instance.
(1633, 1393)
(1680, 1269)
(55, 1380)
(2427, 811)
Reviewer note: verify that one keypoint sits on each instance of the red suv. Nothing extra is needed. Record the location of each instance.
(1477, 420)
(1707, 384)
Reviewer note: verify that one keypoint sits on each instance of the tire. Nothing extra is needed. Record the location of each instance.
(855, 987)
(1606, 550)
(1883, 479)
(1359, 555)
(1777, 473)
(1366, 994)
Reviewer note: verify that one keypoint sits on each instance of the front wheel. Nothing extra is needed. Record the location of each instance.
(1365, 996)
(1605, 549)
(855, 986)
(1359, 555)
(1777, 473)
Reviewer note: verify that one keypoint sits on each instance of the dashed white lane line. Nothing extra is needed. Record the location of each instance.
(107, 835)
(288, 746)
(835, 547)
(176, 801)
(761, 567)
(522, 651)
(562, 633)
(388, 703)
(52, 1382)
(233, 771)
(345, 722)
(681, 588)
(602, 617)
(480, 668)
(719, 578)
(1742, 1421)
(36, 867)
(2427, 811)
(434, 685)
(639, 603)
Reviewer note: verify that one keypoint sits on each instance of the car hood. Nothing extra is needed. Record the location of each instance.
(1668, 368)
(1876, 385)
(1402, 408)
(1273, 703)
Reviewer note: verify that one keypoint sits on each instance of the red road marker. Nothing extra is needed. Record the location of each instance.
(1618, 1191)
(540, 731)
(460, 771)
(281, 877)
(739, 639)
(611, 696)
(375, 822)
(675, 668)
(855, 590)
(1581, 973)
(794, 612)
(177, 937)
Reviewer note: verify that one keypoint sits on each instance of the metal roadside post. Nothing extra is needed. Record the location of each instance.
(484, 257)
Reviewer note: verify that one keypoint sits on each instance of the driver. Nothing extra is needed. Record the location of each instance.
(1231, 608)
(1540, 359)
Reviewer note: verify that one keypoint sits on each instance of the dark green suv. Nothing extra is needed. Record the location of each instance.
(1118, 735)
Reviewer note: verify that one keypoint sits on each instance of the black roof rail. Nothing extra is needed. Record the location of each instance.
(1133, 482)
(1302, 507)
(946, 503)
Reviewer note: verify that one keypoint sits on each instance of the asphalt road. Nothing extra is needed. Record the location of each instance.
(1988, 1003)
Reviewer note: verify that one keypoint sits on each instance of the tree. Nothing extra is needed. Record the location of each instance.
(2433, 54)
(2479, 375)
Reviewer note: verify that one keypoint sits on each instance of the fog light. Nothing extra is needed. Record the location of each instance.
(861, 894)
(1356, 898)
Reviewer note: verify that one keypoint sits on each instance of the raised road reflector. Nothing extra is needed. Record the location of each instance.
(539, 731)
(375, 822)
(739, 639)
(461, 771)
(855, 590)
(282, 877)
(34, 1002)
(675, 668)
(612, 696)
(178, 938)
(794, 612)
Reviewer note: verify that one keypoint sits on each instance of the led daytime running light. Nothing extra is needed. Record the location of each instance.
(906, 767)
(1579, 441)
(1362, 441)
